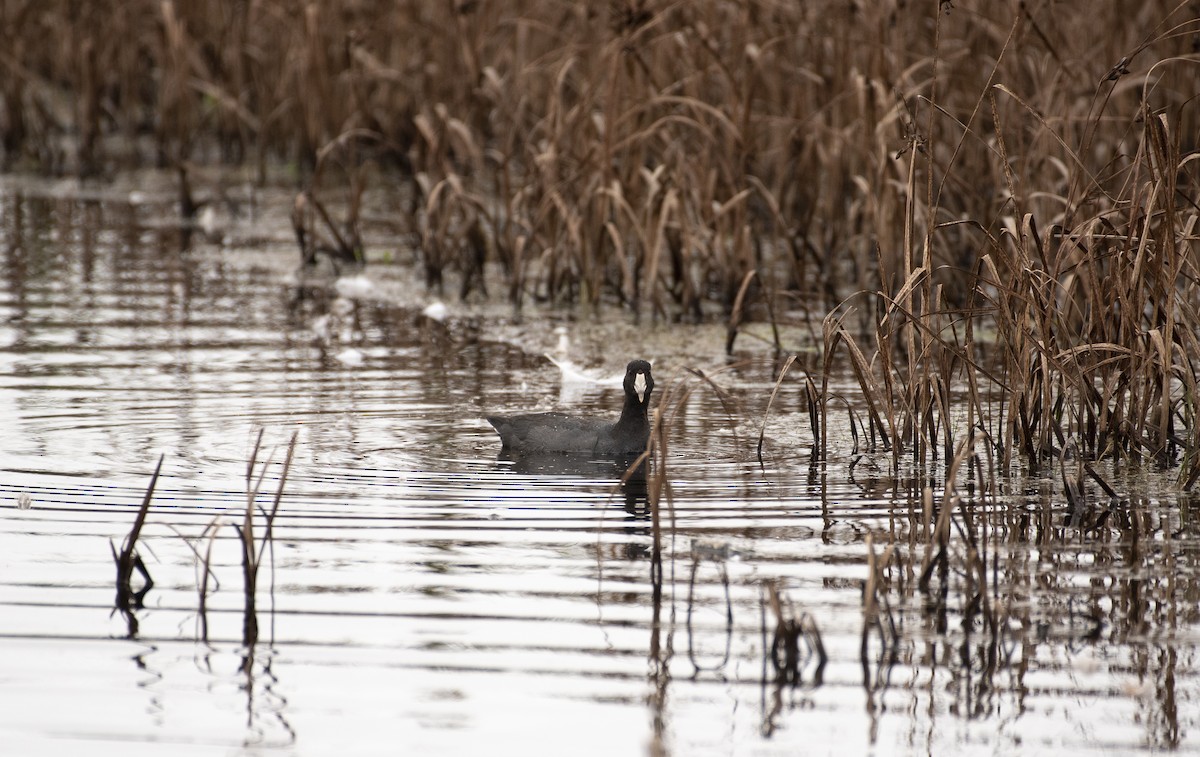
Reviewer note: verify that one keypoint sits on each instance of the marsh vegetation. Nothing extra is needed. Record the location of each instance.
(953, 245)
(1006, 201)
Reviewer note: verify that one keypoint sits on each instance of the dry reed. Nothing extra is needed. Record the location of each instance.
(128, 560)
(254, 548)
(1009, 205)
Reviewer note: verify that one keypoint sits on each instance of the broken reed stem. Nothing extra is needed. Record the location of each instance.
(128, 560)
(762, 430)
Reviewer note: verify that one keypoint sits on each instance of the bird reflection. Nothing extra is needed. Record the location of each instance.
(627, 470)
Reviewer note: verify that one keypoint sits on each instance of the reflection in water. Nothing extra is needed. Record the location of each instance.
(1006, 594)
(629, 472)
(420, 582)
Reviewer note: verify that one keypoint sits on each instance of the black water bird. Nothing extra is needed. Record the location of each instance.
(541, 433)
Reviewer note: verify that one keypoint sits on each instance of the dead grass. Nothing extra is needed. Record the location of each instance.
(253, 549)
(978, 194)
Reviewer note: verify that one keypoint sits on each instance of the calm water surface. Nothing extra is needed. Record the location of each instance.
(423, 596)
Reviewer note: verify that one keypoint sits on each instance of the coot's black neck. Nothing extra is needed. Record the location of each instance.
(635, 408)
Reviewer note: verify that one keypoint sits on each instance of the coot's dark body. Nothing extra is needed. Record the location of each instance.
(556, 432)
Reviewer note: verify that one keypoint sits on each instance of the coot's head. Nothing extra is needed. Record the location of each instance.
(638, 381)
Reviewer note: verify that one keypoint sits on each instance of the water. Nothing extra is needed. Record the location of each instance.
(422, 594)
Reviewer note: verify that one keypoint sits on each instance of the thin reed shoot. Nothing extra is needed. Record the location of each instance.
(128, 560)
(253, 549)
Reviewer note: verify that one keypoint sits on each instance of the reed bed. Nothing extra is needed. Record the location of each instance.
(993, 208)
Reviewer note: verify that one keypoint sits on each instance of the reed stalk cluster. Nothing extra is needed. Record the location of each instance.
(1004, 193)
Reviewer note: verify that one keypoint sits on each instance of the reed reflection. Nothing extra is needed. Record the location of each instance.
(626, 471)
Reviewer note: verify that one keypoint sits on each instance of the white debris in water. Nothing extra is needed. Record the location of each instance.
(337, 325)
(562, 350)
(341, 307)
(1132, 687)
(208, 224)
(353, 287)
(573, 374)
(320, 327)
(349, 357)
(1086, 664)
(435, 311)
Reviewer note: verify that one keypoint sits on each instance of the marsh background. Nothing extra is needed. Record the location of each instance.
(919, 286)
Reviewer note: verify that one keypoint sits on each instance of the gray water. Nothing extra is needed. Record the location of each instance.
(422, 594)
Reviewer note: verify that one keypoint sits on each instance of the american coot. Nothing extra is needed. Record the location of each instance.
(556, 432)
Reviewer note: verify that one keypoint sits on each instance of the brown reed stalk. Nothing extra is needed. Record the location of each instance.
(871, 394)
(252, 548)
(128, 560)
(762, 429)
(206, 572)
